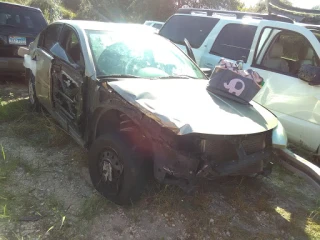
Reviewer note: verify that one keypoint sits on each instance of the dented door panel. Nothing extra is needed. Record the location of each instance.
(67, 92)
(43, 77)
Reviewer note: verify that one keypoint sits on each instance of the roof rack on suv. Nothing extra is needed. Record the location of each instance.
(237, 14)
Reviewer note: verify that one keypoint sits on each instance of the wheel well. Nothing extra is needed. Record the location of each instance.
(114, 120)
(109, 121)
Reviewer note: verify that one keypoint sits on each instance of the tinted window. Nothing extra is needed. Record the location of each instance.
(51, 35)
(194, 28)
(22, 19)
(71, 45)
(157, 25)
(234, 42)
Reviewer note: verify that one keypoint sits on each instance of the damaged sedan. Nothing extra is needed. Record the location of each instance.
(140, 105)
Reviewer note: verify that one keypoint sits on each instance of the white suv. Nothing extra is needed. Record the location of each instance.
(154, 24)
(276, 48)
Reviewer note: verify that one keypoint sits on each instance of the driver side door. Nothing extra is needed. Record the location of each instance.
(44, 57)
(68, 79)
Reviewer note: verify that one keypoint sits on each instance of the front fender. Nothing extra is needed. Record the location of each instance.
(279, 137)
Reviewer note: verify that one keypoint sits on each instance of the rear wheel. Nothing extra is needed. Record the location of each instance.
(117, 169)
(34, 103)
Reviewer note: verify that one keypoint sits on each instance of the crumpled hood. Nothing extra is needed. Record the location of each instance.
(185, 106)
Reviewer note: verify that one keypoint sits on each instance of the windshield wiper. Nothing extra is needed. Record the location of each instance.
(117, 76)
(176, 76)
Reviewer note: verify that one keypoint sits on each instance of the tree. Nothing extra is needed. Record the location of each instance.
(159, 10)
(261, 6)
(141, 10)
(214, 4)
(50, 8)
(316, 7)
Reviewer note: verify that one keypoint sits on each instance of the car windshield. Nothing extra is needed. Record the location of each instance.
(143, 55)
(21, 18)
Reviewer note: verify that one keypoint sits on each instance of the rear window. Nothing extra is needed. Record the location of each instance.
(234, 42)
(194, 28)
(21, 18)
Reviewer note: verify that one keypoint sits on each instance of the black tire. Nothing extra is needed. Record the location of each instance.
(133, 177)
(33, 100)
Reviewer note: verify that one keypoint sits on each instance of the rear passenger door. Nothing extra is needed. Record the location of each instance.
(233, 42)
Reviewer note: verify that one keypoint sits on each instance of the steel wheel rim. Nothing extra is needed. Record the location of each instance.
(111, 170)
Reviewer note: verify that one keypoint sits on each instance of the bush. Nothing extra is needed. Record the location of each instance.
(52, 9)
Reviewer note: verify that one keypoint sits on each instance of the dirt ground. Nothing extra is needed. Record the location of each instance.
(46, 193)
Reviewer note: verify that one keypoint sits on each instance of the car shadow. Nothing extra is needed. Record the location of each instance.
(243, 204)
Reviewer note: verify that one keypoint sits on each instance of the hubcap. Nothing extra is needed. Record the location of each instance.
(31, 92)
(111, 168)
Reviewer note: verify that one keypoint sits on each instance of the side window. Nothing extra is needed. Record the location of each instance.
(194, 28)
(287, 52)
(234, 42)
(51, 36)
(157, 25)
(70, 43)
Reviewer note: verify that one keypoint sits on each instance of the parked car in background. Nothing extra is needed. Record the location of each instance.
(272, 45)
(135, 100)
(154, 24)
(19, 26)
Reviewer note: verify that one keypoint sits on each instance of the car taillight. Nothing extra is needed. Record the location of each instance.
(3, 40)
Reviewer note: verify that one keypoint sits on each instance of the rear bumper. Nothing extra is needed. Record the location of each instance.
(11, 67)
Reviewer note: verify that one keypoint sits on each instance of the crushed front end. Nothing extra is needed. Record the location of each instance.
(197, 156)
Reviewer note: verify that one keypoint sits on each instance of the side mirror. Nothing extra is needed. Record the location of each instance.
(310, 74)
(22, 51)
(206, 71)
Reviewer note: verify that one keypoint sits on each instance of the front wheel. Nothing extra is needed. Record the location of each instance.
(117, 169)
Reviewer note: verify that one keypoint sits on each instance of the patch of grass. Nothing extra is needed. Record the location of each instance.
(13, 110)
(8, 165)
(313, 229)
(40, 130)
(37, 128)
(171, 201)
(93, 206)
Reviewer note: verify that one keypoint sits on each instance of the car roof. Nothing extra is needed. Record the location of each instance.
(155, 22)
(248, 20)
(96, 25)
(22, 6)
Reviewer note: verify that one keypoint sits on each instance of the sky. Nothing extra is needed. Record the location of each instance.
(296, 3)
